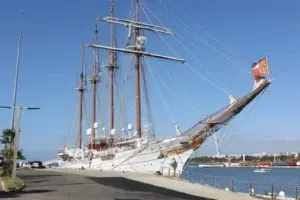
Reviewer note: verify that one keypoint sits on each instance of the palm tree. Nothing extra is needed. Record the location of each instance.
(7, 138)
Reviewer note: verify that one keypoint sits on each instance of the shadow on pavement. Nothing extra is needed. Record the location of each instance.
(131, 185)
(38, 176)
(63, 184)
(18, 194)
(37, 181)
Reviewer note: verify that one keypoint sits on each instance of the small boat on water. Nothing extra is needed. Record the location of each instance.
(207, 166)
(262, 170)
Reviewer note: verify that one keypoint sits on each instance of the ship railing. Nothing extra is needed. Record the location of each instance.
(259, 189)
(170, 172)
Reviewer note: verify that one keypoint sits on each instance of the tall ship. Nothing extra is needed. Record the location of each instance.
(137, 147)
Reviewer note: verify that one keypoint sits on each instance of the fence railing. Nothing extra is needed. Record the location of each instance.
(279, 190)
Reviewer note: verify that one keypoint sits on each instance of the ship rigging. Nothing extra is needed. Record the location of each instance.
(136, 149)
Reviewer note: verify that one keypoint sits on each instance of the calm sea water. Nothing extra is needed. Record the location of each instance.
(282, 178)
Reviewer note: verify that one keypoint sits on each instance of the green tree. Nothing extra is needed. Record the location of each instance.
(7, 138)
(65, 157)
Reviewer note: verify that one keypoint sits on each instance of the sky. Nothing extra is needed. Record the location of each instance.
(219, 40)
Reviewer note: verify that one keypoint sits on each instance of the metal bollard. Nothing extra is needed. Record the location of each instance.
(169, 173)
(250, 188)
(190, 176)
(202, 179)
(216, 182)
(272, 192)
(296, 192)
(232, 185)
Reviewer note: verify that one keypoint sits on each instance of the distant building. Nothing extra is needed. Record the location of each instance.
(263, 154)
(219, 156)
(235, 156)
(296, 154)
(256, 155)
(274, 154)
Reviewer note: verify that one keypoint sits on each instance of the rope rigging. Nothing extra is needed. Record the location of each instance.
(246, 117)
(85, 122)
(161, 80)
(198, 37)
(208, 33)
(122, 106)
(224, 134)
(199, 62)
(145, 89)
(71, 122)
(178, 36)
(166, 106)
(176, 53)
(102, 110)
(193, 34)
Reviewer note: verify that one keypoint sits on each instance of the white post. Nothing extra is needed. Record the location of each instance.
(16, 82)
(217, 144)
(17, 131)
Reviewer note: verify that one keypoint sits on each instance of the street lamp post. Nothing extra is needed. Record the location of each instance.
(17, 133)
(17, 74)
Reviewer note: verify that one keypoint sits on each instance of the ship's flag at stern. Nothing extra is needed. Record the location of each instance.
(260, 68)
(263, 66)
(255, 70)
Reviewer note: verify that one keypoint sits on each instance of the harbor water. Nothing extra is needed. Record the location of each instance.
(283, 179)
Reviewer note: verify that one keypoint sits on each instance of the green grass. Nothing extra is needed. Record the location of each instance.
(10, 185)
(20, 183)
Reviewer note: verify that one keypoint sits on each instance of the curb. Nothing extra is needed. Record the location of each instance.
(21, 188)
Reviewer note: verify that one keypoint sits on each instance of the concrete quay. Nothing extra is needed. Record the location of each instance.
(173, 186)
(63, 184)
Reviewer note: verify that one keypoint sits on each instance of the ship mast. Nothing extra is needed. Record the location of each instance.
(138, 49)
(111, 68)
(81, 91)
(94, 89)
(137, 74)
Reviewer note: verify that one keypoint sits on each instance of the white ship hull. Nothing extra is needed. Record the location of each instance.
(143, 156)
(145, 159)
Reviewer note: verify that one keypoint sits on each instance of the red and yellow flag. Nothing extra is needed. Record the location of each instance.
(263, 66)
(260, 68)
(255, 70)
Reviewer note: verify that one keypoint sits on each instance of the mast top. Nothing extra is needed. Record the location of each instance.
(96, 29)
(137, 24)
(138, 48)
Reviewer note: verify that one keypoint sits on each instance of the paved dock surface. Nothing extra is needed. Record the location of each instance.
(50, 185)
(65, 184)
(196, 190)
